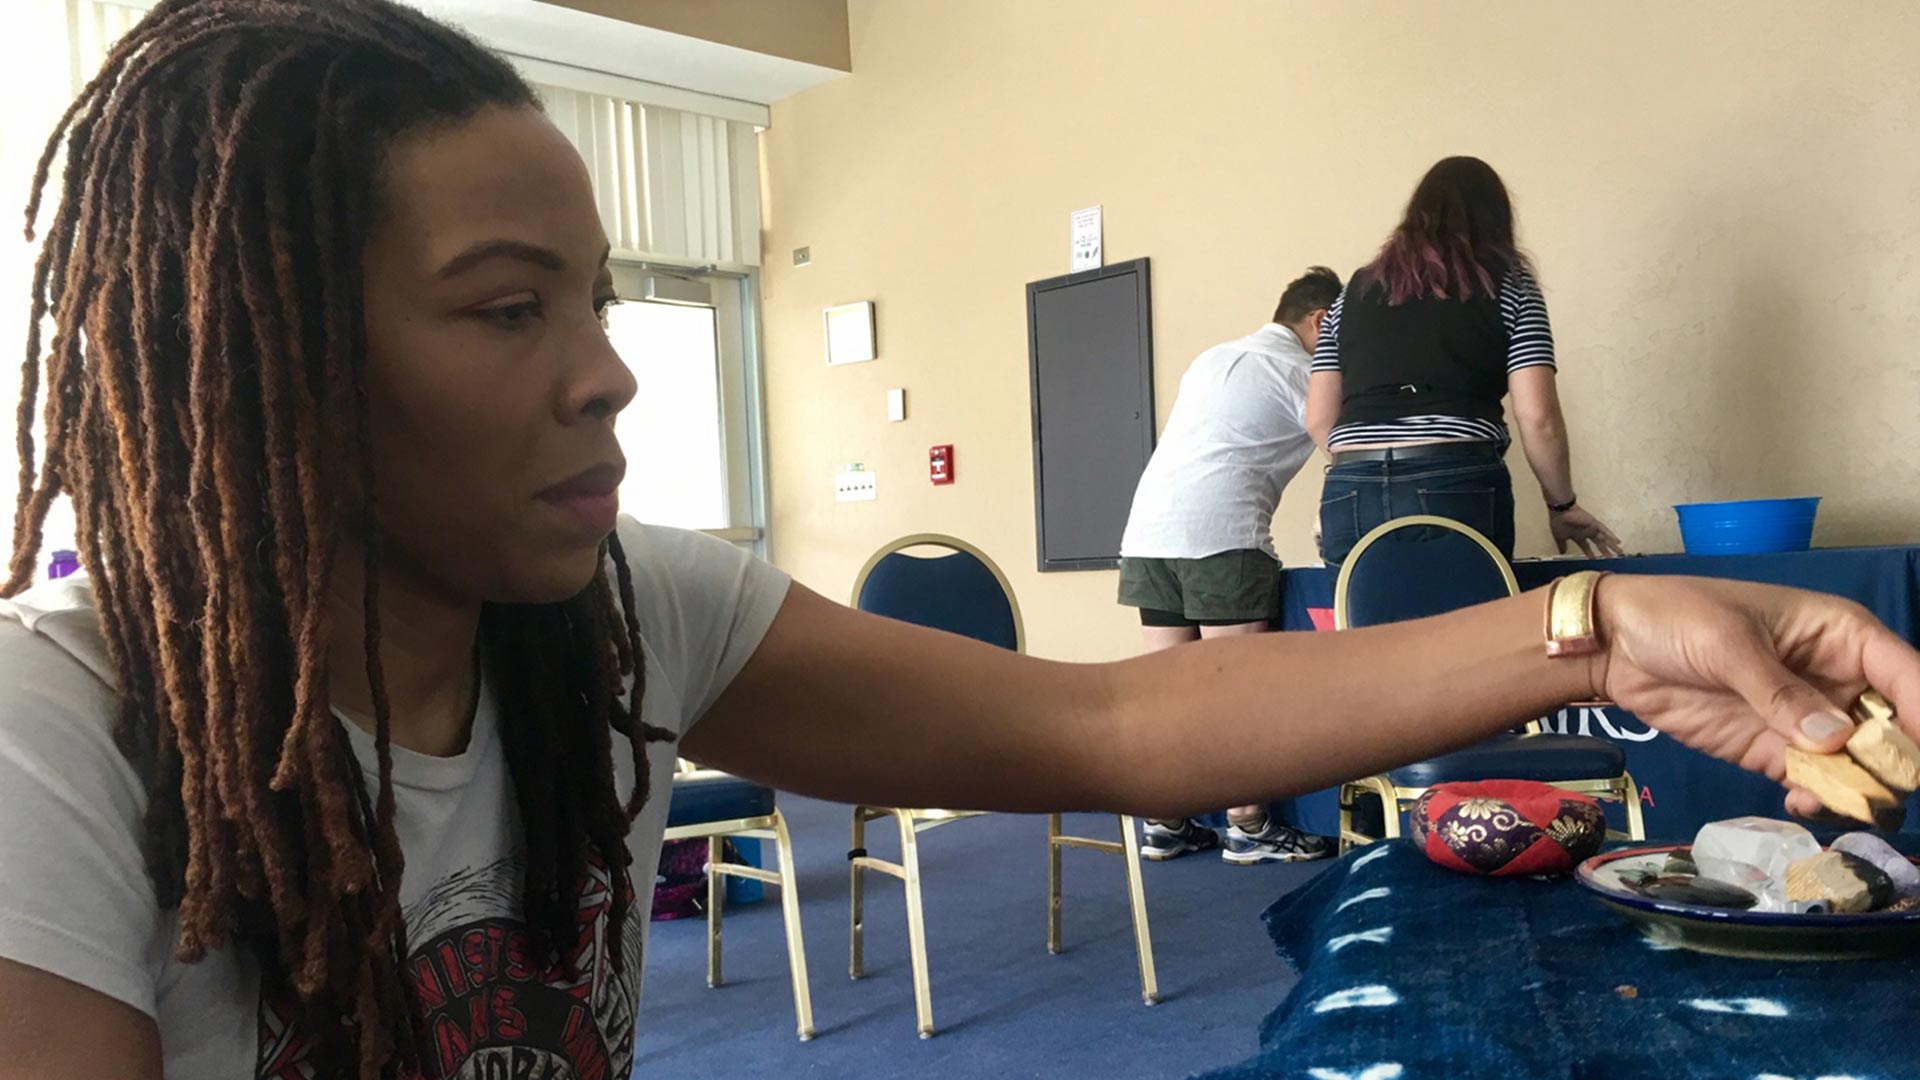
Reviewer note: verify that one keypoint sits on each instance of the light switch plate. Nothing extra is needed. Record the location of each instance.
(896, 405)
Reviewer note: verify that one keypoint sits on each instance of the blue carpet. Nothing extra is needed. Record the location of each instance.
(1003, 1006)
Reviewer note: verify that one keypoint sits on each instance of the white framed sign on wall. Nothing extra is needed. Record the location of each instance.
(849, 330)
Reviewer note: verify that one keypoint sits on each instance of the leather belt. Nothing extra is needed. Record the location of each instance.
(1485, 451)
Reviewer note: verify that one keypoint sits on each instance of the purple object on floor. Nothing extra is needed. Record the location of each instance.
(63, 564)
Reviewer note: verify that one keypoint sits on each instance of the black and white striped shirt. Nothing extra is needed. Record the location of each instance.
(1529, 344)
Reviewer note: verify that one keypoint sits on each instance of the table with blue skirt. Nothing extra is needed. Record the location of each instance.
(1680, 788)
(1411, 972)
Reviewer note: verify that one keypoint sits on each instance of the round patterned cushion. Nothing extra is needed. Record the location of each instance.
(1507, 827)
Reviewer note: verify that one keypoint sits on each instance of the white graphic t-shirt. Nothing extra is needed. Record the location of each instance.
(75, 898)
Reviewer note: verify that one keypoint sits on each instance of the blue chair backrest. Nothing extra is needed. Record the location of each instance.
(1414, 567)
(956, 592)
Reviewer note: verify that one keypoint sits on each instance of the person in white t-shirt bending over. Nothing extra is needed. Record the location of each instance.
(1197, 558)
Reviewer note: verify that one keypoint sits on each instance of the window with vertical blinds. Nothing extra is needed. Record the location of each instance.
(97, 24)
(672, 183)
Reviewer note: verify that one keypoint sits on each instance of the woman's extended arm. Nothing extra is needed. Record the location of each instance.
(52, 1029)
(848, 706)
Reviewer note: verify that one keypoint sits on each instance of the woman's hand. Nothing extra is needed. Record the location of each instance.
(1741, 671)
(1579, 527)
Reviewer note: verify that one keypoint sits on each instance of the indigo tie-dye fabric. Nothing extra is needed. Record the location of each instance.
(1412, 972)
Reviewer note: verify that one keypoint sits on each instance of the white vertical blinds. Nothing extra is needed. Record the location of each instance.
(671, 184)
(97, 24)
(704, 177)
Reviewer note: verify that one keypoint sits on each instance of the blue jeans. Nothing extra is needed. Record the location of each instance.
(1360, 496)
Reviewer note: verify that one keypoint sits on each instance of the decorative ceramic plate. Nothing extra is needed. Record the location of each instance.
(1763, 935)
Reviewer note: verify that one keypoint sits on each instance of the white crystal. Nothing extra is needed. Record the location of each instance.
(1865, 845)
(1753, 853)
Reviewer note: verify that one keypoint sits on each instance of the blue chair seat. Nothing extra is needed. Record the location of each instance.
(1545, 758)
(701, 799)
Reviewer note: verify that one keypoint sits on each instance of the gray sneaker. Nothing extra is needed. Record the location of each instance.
(1275, 843)
(1162, 843)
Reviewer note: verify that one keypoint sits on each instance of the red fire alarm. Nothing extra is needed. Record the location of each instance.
(940, 464)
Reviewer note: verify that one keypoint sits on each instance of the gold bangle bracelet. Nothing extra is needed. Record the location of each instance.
(1570, 628)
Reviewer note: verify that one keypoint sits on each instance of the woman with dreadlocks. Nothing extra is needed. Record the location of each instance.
(340, 758)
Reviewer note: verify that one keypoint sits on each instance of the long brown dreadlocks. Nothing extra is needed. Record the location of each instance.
(202, 275)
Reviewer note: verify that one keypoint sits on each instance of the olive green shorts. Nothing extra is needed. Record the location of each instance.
(1220, 590)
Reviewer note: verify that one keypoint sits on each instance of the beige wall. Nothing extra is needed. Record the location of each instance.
(37, 86)
(1724, 199)
(811, 31)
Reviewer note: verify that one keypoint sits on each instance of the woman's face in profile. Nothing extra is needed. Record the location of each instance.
(492, 388)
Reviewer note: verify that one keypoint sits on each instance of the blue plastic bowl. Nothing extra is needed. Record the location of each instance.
(1750, 527)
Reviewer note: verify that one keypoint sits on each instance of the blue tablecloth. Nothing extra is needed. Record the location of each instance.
(1412, 972)
(1680, 789)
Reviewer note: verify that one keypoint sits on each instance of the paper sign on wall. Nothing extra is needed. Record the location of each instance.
(849, 333)
(1086, 239)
